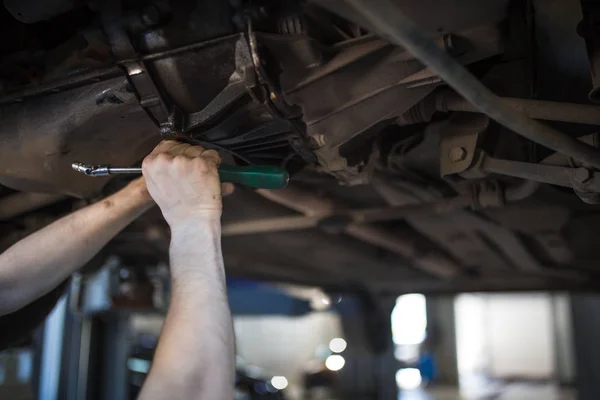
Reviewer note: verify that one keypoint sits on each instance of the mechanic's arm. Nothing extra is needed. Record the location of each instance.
(195, 357)
(40, 262)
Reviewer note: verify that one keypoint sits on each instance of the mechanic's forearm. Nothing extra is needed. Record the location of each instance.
(37, 264)
(195, 357)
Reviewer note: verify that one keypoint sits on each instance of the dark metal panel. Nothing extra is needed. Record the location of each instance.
(358, 96)
(436, 16)
(193, 78)
(40, 138)
(562, 69)
(32, 11)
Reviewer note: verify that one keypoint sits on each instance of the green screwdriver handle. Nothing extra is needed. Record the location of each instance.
(256, 176)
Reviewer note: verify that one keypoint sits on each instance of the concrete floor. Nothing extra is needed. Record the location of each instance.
(512, 391)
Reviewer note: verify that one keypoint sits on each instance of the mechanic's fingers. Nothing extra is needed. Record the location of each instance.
(179, 149)
(164, 147)
(227, 188)
(194, 151)
(212, 155)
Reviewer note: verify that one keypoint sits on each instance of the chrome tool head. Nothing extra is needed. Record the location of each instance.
(83, 168)
(90, 170)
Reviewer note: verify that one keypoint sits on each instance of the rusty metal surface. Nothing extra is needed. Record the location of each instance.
(587, 28)
(538, 109)
(43, 136)
(436, 16)
(562, 69)
(382, 88)
(349, 88)
(472, 239)
(431, 262)
(459, 141)
(543, 223)
(320, 216)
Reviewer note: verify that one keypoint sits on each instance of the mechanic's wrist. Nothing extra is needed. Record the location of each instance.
(137, 192)
(206, 223)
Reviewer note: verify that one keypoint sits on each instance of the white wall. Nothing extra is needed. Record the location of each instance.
(520, 328)
(506, 335)
(471, 334)
(283, 345)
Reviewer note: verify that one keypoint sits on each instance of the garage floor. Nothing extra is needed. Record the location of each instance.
(512, 391)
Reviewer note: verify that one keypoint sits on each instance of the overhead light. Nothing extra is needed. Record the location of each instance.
(279, 382)
(337, 345)
(408, 378)
(335, 362)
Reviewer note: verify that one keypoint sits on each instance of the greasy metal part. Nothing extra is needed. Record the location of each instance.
(544, 224)
(147, 91)
(54, 130)
(32, 11)
(376, 96)
(302, 201)
(522, 191)
(269, 93)
(588, 29)
(588, 197)
(103, 170)
(349, 54)
(472, 239)
(368, 215)
(553, 39)
(21, 203)
(466, 48)
(389, 20)
(434, 15)
(537, 109)
(58, 111)
(354, 223)
(301, 52)
(276, 224)
(578, 178)
(459, 142)
(235, 50)
(60, 85)
(431, 262)
(561, 160)
(344, 57)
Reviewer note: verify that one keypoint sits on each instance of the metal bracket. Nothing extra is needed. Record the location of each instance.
(147, 91)
(459, 142)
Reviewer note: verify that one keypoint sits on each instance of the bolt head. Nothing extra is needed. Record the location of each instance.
(457, 154)
(581, 175)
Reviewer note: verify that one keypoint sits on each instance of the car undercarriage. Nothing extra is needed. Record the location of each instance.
(402, 180)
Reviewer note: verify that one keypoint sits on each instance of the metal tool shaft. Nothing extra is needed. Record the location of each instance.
(103, 170)
(256, 176)
(124, 170)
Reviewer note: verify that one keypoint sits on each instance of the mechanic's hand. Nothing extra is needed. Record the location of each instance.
(184, 181)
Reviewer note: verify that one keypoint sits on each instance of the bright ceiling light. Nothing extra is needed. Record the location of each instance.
(408, 378)
(409, 319)
(337, 345)
(279, 382)
(335, 362)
